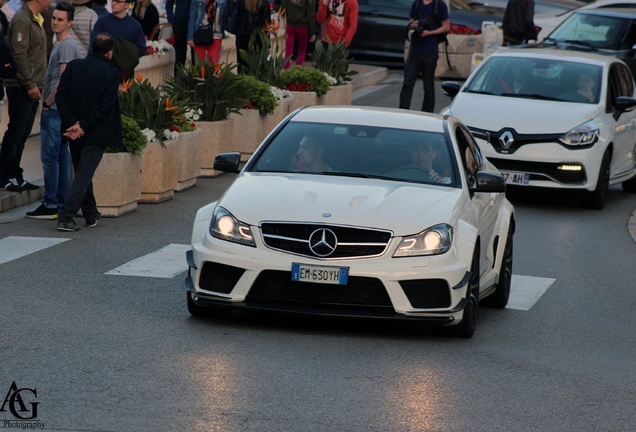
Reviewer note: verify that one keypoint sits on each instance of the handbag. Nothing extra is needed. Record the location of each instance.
(204, 35)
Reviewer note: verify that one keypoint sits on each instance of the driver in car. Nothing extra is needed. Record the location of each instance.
(422, 155)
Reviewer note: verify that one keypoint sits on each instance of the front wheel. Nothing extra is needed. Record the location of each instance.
(499, 299)
(466, 327)
(596, 198)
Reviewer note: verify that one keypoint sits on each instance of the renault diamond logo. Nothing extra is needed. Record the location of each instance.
(506, 139)
(323, 242)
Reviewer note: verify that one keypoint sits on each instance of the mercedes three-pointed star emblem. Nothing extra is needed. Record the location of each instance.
(323, 242)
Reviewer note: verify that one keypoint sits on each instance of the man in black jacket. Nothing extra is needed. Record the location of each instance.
(518, 22)
(88, 104)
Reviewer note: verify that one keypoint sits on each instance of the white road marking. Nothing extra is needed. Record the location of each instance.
(14, 247)
(526, 291)
(166, 263)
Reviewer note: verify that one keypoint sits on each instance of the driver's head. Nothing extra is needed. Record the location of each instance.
(422, 154)
(311, 151)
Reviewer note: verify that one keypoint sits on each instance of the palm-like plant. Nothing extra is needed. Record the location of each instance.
(214, 89)
(334, 61)
(264, 58)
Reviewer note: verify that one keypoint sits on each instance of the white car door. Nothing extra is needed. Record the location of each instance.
(621, 83)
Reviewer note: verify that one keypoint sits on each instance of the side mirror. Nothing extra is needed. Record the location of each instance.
(451, 88)
(623, 104)
(228, 162)
(489, 182)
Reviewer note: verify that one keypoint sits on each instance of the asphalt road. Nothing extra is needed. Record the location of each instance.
(99, 351)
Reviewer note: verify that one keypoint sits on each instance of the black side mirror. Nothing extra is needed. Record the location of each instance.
(489, 182)
(623, 104)
(451, 88)
(228, 162)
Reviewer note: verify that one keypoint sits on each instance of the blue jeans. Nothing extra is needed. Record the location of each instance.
(416, 63)
(22, 111)
(56, 159)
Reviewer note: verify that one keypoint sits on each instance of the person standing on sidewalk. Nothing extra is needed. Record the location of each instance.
(88, 103)
(340, 18)
(28, 44)
(301, 28)
(56, 164)
(428, 19)
(518, 22)
(178, 13)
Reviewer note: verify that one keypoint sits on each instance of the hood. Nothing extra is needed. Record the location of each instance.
(526, 116)
(403, 208)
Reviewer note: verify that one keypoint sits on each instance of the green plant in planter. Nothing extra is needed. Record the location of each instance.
(144, 103)
(264, 59)
(134, 139)
(298, 78)
(334, 61)
(261, 97)
(214, 89)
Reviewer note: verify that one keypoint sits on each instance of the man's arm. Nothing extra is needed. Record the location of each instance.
(352, 21)
(20, 42)
(321, 15)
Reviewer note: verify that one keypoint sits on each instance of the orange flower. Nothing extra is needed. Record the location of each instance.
(202, 71)
(170, 107)
(217, 68)
(139, 78)
(126, 85)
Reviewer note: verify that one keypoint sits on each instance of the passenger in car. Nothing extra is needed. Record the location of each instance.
(311, 153)
(586, 86)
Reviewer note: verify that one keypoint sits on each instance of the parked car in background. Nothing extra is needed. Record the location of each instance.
(382, 23)
(553, 119)
(548, 22)
(607, 31)
(338, 213)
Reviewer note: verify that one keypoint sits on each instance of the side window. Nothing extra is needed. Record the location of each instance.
(625, 79)
(469, 153)
(612, 89)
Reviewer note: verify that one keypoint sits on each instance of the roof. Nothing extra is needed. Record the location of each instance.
(585, 57)
(622, 13)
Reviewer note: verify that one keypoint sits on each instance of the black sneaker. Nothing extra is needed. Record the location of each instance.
(28, 186)
(91, 223)
(68, 226)
(43, 212)
(12, 185)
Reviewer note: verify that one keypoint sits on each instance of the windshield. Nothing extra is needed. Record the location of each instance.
(600, 32)
(359, 151)
(545, 79)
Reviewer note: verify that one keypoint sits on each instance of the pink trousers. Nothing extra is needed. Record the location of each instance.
(302, 35)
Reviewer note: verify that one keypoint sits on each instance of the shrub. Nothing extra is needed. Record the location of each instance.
(298, 78)
(214, 89)
(260, 95)
(134, 140)
(334, 61)
(264, 59)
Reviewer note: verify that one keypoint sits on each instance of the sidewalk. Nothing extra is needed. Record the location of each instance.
(32, 166)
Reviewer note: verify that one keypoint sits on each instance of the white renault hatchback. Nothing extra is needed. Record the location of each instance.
(553, 119)
(357, 212)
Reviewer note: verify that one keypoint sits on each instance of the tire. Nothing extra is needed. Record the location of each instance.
(466, 327)
(499, 299)
(596, 198)
(629, 186)
(206, 312)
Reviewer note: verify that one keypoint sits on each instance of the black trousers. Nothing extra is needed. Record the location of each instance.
(86, 159)
(180, 32)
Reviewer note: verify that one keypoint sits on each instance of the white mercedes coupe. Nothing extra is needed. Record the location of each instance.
(553, 119)
(357, 212)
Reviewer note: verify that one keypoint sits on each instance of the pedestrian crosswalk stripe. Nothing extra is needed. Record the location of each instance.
(525, 291)
(14, 247)
(167, 262)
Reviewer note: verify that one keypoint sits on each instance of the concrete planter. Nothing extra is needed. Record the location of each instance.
(337, 95)
(156, 68)
(188, 159)
(158, 172)
(301, 99)
(117, 184)
(280, 112)
(248, 131)
(216, 137)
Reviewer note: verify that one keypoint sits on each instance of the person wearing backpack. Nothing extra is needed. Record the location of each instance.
(429, 21)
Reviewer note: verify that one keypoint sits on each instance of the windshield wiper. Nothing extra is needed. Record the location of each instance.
(532, 96)
(344, 174)
(578, 42)
(480, 92)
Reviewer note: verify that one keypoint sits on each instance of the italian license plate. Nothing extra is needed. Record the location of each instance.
(320, 274)
(516, 178)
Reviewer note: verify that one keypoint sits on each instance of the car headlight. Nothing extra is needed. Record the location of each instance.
(433, 241)
(585, 134)
(226, 227)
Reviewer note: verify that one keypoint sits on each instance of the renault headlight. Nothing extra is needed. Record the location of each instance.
(226, 227)
(585, 134)
(433, 241)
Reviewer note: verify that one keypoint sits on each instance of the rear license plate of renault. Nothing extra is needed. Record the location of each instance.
(320, 274)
